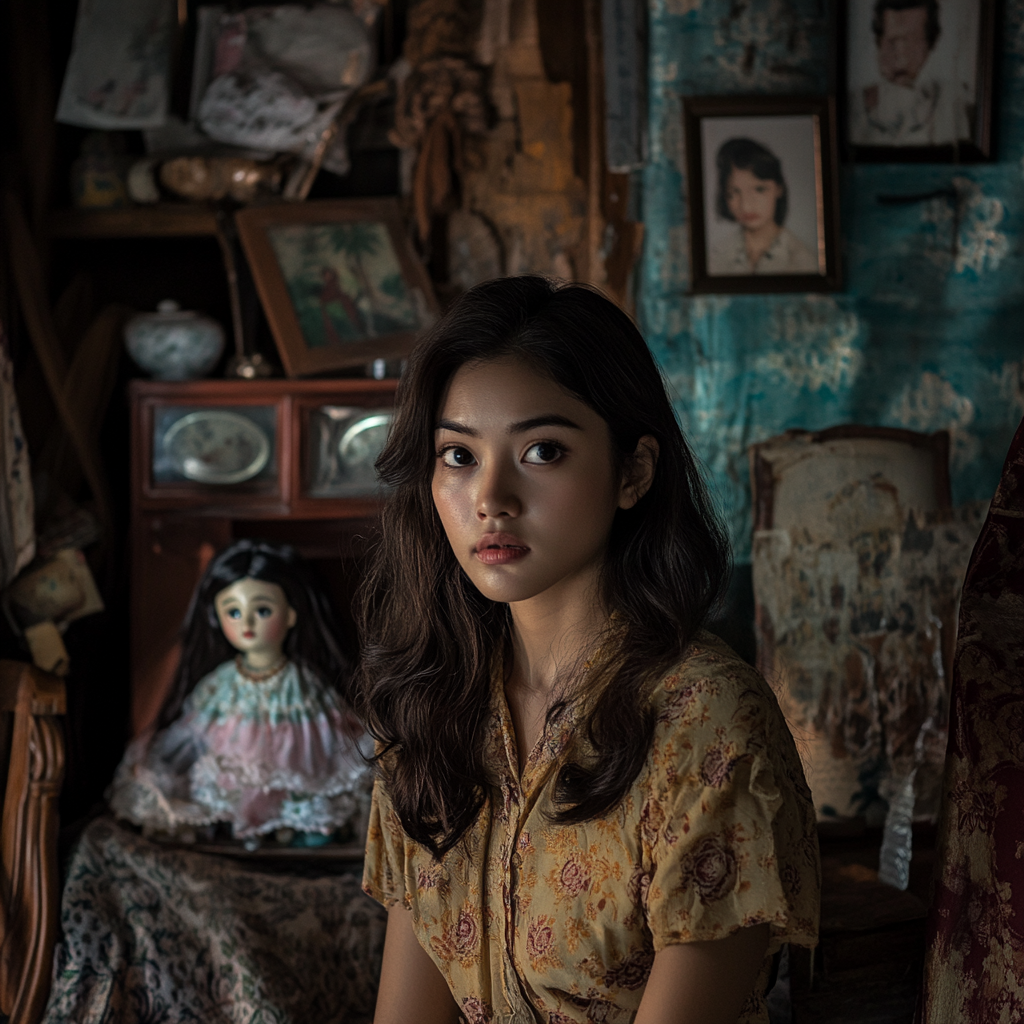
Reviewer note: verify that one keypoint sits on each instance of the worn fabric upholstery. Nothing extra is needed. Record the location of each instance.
(974, 966)
(532, 921)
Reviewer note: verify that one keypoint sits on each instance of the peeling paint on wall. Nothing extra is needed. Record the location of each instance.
(928, 332)
(934, 404)
(818, 346)
(856, 635)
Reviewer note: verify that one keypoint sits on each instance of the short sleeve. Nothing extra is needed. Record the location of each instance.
(728, 827)
(383, 868)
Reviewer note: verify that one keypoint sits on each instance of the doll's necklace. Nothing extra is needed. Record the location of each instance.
(259, 676)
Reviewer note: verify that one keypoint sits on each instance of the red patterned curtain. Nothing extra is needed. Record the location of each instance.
(974, 968)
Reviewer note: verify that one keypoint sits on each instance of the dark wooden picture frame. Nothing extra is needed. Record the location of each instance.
(816, 160)
(339, 281)
(978, 117)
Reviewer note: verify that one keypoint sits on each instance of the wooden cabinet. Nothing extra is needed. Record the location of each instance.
(215, 460)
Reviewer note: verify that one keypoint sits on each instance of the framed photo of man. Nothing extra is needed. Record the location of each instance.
(762, 193)
(918, 79)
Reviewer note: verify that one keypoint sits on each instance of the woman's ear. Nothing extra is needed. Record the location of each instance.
(639, 473)
(293, 616)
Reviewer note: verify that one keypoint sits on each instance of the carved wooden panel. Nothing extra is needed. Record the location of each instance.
(29, 881)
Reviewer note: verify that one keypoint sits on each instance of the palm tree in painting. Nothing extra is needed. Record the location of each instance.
(334, 298)
(357, 240)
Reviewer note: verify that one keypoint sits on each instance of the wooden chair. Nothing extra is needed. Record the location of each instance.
(32, 758)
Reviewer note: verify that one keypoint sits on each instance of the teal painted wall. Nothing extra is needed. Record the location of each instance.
(918, 338)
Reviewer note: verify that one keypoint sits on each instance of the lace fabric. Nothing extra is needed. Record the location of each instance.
(263, 754)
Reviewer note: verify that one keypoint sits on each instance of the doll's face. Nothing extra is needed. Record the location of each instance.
(255, 616)
(524, 481)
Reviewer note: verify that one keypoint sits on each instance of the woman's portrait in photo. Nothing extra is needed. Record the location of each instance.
(916, 70)
(762, 193)
(751, 193)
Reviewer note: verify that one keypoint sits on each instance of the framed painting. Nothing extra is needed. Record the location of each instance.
(339, 282)
(762, 194)
(919, 79)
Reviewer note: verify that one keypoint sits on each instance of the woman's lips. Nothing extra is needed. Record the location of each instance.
(500, 549)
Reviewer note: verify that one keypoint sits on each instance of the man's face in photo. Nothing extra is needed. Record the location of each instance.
(903, 47)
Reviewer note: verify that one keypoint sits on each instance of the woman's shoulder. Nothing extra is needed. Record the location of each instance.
(712, 669)
(728, 254)
(715, 697)
(798, 256)
(715, 712)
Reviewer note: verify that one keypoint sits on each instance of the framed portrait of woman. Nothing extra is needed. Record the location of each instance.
(763, 193)
(918, 79)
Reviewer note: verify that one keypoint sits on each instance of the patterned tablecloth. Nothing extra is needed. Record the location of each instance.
(155, 934)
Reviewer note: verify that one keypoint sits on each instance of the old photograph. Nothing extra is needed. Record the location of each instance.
(917, 73)
(762, 194)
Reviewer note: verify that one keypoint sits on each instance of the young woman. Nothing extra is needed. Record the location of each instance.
(752, 193)
(589, 809)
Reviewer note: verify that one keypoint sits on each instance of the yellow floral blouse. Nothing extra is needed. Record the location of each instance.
(531, 921)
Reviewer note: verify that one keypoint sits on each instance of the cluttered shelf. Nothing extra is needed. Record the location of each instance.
(160, 220)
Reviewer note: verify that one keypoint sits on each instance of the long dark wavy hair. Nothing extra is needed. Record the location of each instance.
(430, 638)
(312, 643)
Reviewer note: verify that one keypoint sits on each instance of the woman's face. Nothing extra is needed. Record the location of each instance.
(255, 616)
(523, 481)
(751, 200)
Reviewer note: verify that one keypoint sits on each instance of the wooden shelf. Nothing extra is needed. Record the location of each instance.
(162, 220)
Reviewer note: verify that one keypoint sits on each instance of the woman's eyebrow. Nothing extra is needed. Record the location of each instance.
(519, 427)
(551, 420)
(456, 427)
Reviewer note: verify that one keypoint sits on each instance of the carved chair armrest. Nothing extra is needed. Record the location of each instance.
(29, 886)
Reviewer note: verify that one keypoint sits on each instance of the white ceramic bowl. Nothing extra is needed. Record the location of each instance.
(173, 343)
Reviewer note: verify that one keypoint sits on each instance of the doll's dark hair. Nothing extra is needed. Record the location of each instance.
(748, 155)
(312, 643)
(431, 639)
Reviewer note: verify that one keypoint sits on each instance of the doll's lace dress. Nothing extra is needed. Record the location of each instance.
(261, 754)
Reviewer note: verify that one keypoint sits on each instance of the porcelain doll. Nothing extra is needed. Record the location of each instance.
(256, 731)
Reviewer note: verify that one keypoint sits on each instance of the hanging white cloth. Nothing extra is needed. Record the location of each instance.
(17, 507)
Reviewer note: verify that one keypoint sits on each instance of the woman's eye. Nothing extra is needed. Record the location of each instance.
(234, 613)
(264, 612)
(456, 457)
(543, 452)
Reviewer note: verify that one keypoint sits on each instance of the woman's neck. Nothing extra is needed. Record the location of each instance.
(551, 632)
(760, 240)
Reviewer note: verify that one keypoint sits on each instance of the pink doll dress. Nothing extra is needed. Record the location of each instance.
(261, 753)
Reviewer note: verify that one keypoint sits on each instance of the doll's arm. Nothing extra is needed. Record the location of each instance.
(411, 986)
(703, 982)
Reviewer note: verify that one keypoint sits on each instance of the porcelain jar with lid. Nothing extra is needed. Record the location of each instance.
(174, 343)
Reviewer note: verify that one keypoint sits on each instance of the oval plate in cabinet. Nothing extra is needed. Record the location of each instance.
(216, 447)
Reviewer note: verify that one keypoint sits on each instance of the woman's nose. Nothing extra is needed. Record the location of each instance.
(496, 495)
